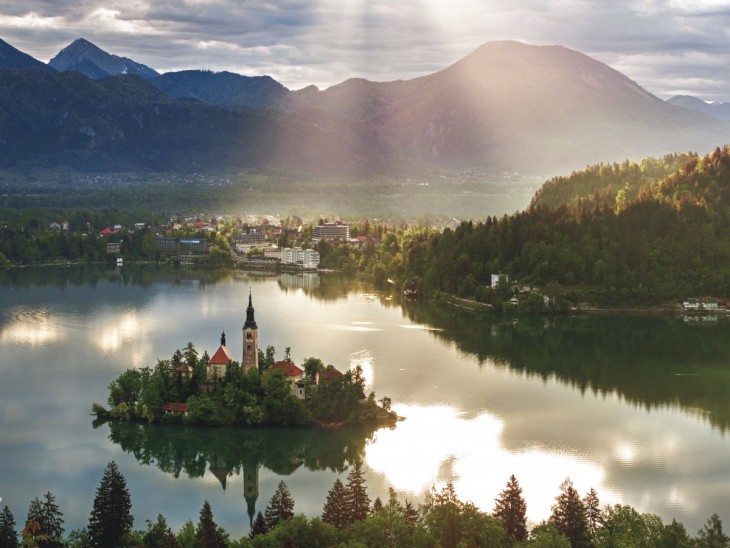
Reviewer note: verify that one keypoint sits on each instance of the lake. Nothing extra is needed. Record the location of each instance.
(635, 407)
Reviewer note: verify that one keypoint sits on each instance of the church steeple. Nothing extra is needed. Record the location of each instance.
(250, 321)
(223, 338)
(250, 339)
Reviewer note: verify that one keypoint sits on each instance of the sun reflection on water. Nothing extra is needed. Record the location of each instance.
(436, 444)
(36, 329)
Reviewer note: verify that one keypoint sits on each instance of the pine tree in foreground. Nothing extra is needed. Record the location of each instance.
(593, 512)
(334, 511)
(569, 515)
(258, 527)
(357, 502)
(111, 518)
(8, 534)
(510, 507)
(280, 508)
(48, 519)
(208, 534)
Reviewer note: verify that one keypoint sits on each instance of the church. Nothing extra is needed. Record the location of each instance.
(250, 356)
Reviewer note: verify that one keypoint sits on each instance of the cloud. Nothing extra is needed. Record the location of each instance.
(665, 45)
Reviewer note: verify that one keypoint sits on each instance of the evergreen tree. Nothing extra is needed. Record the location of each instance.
(159, 535)
(111, 516)
(357, 502)
(280, 508)
(258, 527)
(711, 535)
(411, 514)
(335, 511)
(8, 534)
(208, 534)
(569, 515)
(377, 506)
(510, 507)
(49, 520)
(593, 512)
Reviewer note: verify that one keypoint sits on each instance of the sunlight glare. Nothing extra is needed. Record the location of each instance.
(32, 331)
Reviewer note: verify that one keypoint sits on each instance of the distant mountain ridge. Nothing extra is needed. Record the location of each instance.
(221, 88)
(721, 111)
(507, 106)
(11, 57)
(84, 57)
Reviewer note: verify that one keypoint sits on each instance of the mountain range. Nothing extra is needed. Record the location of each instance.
(506, 106)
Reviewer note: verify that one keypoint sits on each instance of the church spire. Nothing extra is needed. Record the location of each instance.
(223, 338)
(250, 321)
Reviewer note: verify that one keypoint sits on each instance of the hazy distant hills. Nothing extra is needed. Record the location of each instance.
(84, 57)
(721, 111)
(507, 106)
(222, 88)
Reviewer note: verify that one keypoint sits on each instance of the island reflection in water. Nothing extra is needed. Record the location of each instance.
(226, 452)
(635, 407)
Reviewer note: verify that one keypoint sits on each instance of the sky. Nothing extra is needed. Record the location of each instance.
(669, 47)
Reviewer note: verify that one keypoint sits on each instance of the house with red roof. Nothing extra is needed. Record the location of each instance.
(173, 408)
(293, 373)
(218, 362)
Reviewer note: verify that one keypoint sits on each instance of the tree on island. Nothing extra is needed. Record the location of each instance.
(280, 508)
(111, 518)
(8, 535)
(593, 512)
(510, 507)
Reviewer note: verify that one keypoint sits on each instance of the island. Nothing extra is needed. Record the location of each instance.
(217, 390)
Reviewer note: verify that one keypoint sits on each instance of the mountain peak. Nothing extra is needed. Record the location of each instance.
(89, 59)
(11, 57)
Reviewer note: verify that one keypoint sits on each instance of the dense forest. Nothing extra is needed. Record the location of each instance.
(349, 518)
(670, 241)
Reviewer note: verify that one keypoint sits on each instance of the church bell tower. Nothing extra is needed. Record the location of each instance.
(250, 340)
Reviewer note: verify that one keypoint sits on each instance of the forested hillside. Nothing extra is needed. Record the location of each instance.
(671, 241)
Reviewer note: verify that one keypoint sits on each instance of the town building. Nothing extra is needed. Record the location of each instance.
(305, 258)
(292, 373)
(331, 231)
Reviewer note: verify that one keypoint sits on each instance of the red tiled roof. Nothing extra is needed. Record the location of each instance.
(106, 231)
(175, 407)
(222, 356)
(288, 367)
(328, 375)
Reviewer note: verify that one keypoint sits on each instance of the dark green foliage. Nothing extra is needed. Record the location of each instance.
(159, 534)
(569, 515)
(510, 508)
(335, 507)
(49, 519)
(624, 526)
(280, 508)
(453, 522)
(259, 526)
(208, 534)
(111, 518)
(670, 240)
(712, 535)
(357, 501)
(8, 534)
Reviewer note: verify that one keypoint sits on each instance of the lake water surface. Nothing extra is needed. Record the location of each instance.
(635, 407)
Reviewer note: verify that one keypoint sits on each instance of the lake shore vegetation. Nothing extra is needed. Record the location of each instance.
(350, 519)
